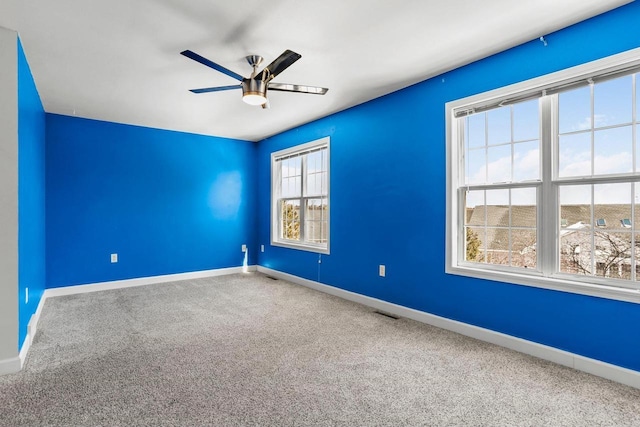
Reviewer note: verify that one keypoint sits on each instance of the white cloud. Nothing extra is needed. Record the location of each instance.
(616, 163)
(499, 170)
(599, 120)
(528, 166)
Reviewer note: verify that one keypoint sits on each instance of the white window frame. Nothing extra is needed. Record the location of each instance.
(548, 222)
(322, 248)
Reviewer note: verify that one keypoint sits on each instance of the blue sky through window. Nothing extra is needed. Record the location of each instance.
(595, 125)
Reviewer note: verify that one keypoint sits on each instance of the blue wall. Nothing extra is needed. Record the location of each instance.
(31, 195)
(166, 202)
(388, 203)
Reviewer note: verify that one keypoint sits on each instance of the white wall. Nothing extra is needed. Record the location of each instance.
(9, 13)
(8, 201)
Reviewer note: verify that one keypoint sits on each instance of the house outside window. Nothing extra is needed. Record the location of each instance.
(544, 181)
(300, 197)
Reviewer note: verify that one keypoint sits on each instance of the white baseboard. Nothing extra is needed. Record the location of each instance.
(24, 350)
(592, 366)
(15, 364)
(142, 281)
(31, 331)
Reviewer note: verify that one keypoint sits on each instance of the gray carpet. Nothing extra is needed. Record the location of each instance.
(247, 350)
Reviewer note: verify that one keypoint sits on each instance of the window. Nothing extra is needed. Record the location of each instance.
(300, 197)
(544, 181)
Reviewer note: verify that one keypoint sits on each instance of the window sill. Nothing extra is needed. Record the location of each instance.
(302, 247)
(552, 283)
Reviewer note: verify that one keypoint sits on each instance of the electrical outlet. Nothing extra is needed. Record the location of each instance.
(114, 258)
(382, 270)
(26, 295)
(244, 248)
(261, 248)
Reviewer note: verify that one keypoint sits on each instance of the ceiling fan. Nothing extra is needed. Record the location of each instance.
(254, 88)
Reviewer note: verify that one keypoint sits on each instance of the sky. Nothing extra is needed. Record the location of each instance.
(502, 145)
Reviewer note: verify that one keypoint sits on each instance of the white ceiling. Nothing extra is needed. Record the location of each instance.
(119, 61)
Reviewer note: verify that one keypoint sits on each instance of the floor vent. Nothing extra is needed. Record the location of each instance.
(382, 313)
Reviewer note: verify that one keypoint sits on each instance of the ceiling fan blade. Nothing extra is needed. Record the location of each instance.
(215, 89)
(280, 64)
(204, 61)
(286, 87)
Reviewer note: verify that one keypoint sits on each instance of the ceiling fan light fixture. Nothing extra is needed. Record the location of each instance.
(254, 98)
(254, 92)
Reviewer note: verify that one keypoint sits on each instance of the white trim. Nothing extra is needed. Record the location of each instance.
(552, 283)
(592, 366)
(24, 350)
(142, 281)
(454, 263)
(31, 331)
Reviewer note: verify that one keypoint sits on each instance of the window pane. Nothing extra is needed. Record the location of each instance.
(637, 256)
(523, 207)
(575, 206)
(497, 208)
(323, 182)
(474, 130)
(476, 168)
(499, 166)
(291, 166)
(575, 253)
(290, 219)
(475, 209)
(525, 121)
(315, 220)
(575, 155)
(526, 161)
(575, 110)
(312, 231)
(638, 143)
(284, 165)
(497, 246)
(499, 125)
(637, 81)
(474, 245)
(291, 186)
(314, 183)
(613, 151)
(613, 254)
(315, 209)
(611, 205)
(523, 248)
(612, 102)
(636, 199)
